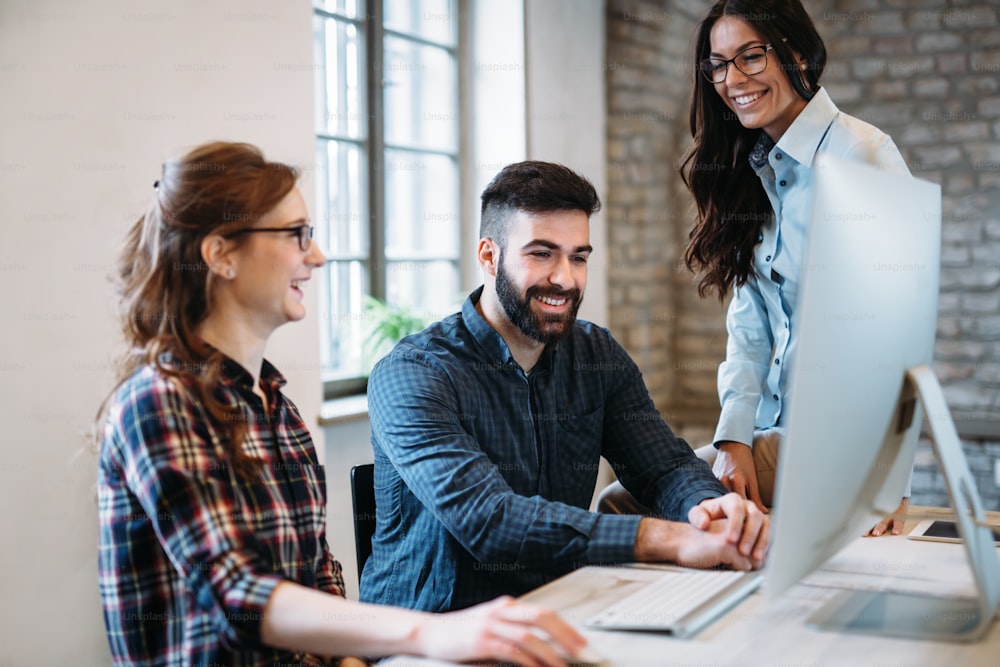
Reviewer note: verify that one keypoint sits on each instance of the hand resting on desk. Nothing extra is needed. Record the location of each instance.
(891, 525)
(728, 530)
(503, 629)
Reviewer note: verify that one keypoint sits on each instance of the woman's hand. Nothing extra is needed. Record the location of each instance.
(735, 469)
(503, 629)
(891, 524)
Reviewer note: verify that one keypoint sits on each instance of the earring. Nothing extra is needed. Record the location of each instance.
(230, 273)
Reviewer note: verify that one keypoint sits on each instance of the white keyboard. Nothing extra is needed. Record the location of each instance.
(661, 604)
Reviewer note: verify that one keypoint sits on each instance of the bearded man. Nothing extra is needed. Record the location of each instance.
(488, 428)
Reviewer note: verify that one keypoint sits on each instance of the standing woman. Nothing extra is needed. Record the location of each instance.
(759, 118)
(212, 502)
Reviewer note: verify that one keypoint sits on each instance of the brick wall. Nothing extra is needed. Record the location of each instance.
(647, 210)
(926, 72)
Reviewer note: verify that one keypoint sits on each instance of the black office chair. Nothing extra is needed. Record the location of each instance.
(363, 500)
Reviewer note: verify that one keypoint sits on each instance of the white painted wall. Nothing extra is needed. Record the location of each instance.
(96, 94)
(537, 92)
(566, 111)
(494, 78)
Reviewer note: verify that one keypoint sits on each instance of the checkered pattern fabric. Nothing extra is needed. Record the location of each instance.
(189, 551)
(484, 474)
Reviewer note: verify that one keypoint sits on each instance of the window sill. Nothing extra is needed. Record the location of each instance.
(342, 410)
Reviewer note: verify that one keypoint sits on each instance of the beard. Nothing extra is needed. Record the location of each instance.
(547, 329)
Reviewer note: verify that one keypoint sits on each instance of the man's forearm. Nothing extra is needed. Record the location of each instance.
(658, 540)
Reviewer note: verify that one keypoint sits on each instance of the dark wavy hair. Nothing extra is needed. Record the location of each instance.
(731, 203)
(535, 187)
(164, 284)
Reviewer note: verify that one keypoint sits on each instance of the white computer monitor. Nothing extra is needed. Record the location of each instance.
(866, 320)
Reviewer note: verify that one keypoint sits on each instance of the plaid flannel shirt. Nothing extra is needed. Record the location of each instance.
(190, 552)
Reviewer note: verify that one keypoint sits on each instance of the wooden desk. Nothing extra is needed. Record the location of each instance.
(762, 631)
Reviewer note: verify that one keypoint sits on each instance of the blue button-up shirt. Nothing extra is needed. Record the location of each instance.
(484, 473)
(753, 380)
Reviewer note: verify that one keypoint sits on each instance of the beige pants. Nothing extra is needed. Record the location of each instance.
(614, 499)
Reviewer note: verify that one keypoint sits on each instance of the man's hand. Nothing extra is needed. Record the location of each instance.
(735, 468)
(743, 524)
(723, 531)
(893, 523)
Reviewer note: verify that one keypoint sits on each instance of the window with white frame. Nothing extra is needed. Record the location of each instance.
(387, 158)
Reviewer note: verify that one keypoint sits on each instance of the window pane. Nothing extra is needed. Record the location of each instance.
(429, 289)
(339, 81)
(342, 225)
(434, 20)
(420, 96)
(349, 8)
(344, 286)
(417, 165)
(421, 193)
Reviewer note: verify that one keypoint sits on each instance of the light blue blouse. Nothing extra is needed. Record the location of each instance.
(753, 380)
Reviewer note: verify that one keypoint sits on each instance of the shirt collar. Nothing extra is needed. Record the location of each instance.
(233, 374)
(802, 138)
(491, 340)
(485, 335)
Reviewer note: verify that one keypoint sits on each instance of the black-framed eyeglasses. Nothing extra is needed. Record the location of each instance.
(303, 232)
(750, 61)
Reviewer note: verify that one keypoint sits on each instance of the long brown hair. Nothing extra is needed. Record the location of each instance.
(731, 202)
(164, 284)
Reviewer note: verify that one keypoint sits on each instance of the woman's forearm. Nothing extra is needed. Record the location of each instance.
(298, 618)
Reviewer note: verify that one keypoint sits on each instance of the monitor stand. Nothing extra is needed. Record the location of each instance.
(921, 616)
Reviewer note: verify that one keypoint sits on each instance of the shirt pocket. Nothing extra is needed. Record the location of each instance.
(583, 426)
(577, 456)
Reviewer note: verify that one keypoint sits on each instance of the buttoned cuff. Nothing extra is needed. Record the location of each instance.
(613, 538)
(736, 423)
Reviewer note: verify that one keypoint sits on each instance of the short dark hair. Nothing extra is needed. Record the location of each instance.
(535, 187)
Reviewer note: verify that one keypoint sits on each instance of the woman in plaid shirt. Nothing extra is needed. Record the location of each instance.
(212, 500)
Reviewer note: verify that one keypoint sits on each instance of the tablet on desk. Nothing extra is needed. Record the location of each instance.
(940, 530)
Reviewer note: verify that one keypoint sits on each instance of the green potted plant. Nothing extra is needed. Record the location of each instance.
(387, 324)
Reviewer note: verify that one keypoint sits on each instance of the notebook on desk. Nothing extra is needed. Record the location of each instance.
(681, 601)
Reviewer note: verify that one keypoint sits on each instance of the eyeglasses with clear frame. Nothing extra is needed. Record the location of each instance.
(303, 232)
(750, 61)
